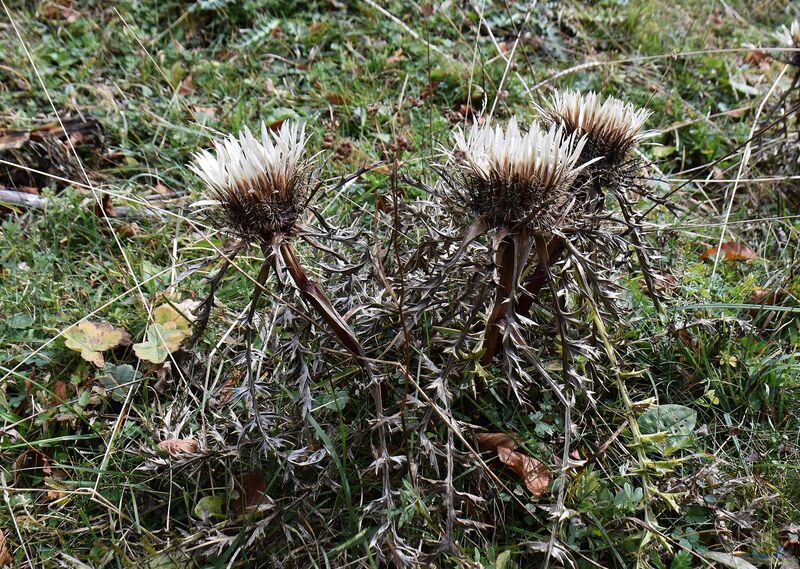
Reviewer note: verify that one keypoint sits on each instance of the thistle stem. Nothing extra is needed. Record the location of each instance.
(504, 259)
(201, 323)
(313, 293)
(538, 278)
(263, 274)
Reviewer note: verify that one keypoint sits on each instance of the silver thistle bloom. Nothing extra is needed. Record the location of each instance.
(510, 174)
(260, 185)
(789, 37)
(612, 127)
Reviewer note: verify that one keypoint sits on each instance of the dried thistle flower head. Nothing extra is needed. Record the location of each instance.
(612, 127)
(260, 185)
(789, 37)
(511, 175)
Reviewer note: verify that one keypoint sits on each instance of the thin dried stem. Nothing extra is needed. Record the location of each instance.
(504, 259)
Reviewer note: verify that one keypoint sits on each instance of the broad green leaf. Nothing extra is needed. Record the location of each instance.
(91, 338)
(161, 340)
(210, 506)
(117, 379)
(675, 421)
(20, 321)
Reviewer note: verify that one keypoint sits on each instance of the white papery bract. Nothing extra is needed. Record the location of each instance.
(545, 157)
(789, 37)
(509, 172)
(612, 127)
(260, 184)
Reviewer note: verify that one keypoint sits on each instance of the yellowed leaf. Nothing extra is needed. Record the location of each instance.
(91, 338)
(177, 446)
(166, 314)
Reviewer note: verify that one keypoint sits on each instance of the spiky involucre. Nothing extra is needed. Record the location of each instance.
(261, 185)
(789, 37)
(612, 127)
(511, 175)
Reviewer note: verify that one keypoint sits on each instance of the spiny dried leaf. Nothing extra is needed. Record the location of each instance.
(90, 339)
(731, 251)
(177, 446)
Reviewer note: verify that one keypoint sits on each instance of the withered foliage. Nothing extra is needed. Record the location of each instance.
(429, 315)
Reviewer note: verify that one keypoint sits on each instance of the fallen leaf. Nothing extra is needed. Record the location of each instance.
(92, 338)
(105, 208)
(335, 99)
(161, 189)
(177, 446)
(732, 251)
(535, 475)
(55, 11)
(208, 111)
(755, 56)
(161, 341)
(169, 328)
(59, 392)
(252, 489)
(396, 57)
(766, 295)
(5, 554)
(186, 87)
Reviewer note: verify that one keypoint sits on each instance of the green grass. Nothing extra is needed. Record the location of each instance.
(82, 476)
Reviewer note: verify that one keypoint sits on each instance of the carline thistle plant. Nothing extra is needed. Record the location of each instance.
(260, 188)
(613, 130)
(517, 182)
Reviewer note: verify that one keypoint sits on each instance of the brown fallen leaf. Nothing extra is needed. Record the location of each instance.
(177, 446)
(252, 489)
(732, 251)
(396, 57)
(59, 392)
(186, 86)
(105, 208)
(335, 99)
(5, 554)
(534, 474)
